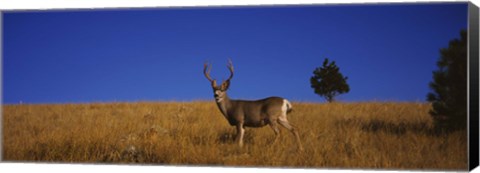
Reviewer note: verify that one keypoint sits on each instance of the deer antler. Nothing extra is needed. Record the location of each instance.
(206, 71)
(230, 67)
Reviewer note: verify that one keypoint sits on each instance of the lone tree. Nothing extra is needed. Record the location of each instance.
(327, 81)
(449, 85)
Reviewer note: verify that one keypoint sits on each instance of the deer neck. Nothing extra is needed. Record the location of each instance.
(223, 104)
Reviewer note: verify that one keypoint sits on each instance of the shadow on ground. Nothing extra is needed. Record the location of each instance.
(398, 128)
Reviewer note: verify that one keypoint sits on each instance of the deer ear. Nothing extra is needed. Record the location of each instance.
(225, 84)
(214, 83)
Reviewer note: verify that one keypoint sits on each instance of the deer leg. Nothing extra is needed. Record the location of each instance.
(275, 129)
(292, 129)
(240, 132)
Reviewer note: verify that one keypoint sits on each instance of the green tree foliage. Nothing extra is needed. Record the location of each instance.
(327, 81)
(449, 85)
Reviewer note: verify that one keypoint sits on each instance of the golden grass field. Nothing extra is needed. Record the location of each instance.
(365, 135)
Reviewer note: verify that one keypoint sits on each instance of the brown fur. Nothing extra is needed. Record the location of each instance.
(251, 113)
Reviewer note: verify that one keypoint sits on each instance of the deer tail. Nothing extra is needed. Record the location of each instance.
(288, 105)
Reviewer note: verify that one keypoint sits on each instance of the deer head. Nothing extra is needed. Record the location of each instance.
(218, 90)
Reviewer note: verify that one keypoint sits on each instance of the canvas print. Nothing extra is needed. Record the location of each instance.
(355, 86)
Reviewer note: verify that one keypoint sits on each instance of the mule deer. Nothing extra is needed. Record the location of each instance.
(251, 113)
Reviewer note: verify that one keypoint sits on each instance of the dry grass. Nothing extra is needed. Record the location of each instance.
(339, 135)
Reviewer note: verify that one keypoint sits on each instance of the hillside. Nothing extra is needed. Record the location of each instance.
(338, 135)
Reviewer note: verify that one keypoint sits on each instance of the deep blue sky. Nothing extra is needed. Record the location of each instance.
(388, 52)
